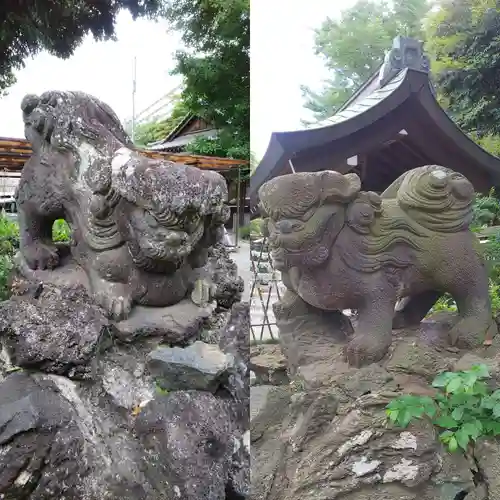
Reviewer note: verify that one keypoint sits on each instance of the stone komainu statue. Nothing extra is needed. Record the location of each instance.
(140, 226)
(341, 248)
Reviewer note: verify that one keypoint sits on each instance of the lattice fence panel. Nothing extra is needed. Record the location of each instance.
(266, 288)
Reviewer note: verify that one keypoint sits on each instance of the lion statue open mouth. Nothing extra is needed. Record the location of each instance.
(141, 227)
(341, 248)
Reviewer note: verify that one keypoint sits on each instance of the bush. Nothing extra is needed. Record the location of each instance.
(463, 409)
(9, 243)
(252, 230)
(61, 232)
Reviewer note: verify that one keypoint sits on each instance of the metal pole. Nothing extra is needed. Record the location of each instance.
(134, 85)
(238, 197)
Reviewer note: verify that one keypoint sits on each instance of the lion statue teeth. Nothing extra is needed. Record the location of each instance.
(340, 248)
(141, 227)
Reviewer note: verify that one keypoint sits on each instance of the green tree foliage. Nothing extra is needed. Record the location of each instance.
(353, 47)
(463, 38)
(146, 133)
(59, 26)
(216, 69)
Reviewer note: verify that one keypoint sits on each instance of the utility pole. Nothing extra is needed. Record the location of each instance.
(134, 86)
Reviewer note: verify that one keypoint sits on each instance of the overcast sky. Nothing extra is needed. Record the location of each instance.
(282, 59)
(103, 69)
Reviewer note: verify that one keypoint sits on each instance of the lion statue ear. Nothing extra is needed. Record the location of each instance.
(338, 188)
(362, 213)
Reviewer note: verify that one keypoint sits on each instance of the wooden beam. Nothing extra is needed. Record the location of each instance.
(14, 153)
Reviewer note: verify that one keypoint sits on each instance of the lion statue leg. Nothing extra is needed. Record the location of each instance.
(476, 325)
(373, 332)
(109, 282)
(413, 309)
(35, 219)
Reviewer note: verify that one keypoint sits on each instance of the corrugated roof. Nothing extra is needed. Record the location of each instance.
(183, 140)
(362, 103)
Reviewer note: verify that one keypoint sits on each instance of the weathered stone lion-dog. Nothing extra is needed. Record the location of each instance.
(340, 248)
(141, 227)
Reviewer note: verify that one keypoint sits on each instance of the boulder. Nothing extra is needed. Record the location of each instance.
(198, 366)
(82, 417)
(268, 364)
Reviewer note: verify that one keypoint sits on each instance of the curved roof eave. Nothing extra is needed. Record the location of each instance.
(461, 141)
(283, 146)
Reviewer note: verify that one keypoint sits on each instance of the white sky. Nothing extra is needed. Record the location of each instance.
(102, 69)
(283, 59)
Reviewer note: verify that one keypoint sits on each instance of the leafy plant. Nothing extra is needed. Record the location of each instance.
(61, 232)
(464, 408)
(9, 235)
(9, 242)
(5, 270)
(215, 66)
(445, 303)
(463, 43)
(252, 230)
(486, 210)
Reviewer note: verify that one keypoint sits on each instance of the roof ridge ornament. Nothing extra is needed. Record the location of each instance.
(405, 53)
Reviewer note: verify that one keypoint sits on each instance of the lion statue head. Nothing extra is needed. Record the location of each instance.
(168, 211)
(304, 213)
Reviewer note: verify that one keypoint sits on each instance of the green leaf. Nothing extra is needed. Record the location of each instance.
(446, 436)
(446, 421)
(492, 427)
(469, 379)
(458, 413)
(443, 379)
(454, 385)
(395, 404)
(393, 415)
(405, 418)
(462, 437)
(430, 410)
(452, 444)
(473, 429)
(481, 371)
(488, 403)
(496, 410)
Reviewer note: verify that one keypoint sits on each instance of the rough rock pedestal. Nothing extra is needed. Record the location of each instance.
(325, 436)
(83, 417)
